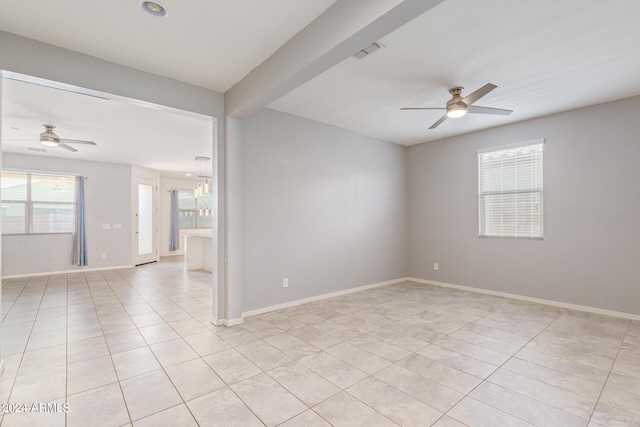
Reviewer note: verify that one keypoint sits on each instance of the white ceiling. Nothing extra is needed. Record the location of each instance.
(545, 56)
(161, 140)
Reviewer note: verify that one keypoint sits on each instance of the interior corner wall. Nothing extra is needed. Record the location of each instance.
(108, 201)
(322, 206)
(589, 255)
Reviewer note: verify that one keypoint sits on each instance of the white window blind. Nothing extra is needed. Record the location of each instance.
(510, 190)
(37, 203)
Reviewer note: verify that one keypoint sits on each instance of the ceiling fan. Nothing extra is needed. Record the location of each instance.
(51, 139)
(458, 106)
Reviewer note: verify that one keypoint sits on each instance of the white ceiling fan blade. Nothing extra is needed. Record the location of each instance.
(76, 141)
(488, 110)
(66, 147)
(474, 96)
(439, 122)
(25, 131)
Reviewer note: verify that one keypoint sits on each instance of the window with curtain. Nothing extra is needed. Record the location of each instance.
(194, 212)
(37, 203)
(510, 190)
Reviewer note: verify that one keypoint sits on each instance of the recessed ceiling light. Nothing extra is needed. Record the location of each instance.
(187, 174)
(153, 8)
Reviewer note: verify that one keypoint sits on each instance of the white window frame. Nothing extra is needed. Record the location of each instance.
(531, 224)
(29, 202)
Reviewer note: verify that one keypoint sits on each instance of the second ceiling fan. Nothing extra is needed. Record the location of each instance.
(458, 106)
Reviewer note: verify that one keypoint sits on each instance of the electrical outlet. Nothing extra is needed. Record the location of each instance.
(103, 256)
(435, 265)
(285, 283)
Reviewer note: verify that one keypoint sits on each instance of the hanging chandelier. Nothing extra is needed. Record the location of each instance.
(203, 186)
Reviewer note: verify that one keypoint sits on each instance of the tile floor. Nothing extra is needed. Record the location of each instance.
(135, 347)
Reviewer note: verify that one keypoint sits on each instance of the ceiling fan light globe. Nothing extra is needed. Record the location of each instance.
(49, 142)
(456, 113)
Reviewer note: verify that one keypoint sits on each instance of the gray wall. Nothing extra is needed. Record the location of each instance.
(108, 201)
(589, 255)
(322, 206)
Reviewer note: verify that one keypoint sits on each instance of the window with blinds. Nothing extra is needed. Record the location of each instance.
(37, 203)
(194, 212)
(510, 190)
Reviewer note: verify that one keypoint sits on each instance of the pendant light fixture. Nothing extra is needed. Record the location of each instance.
(203, 186)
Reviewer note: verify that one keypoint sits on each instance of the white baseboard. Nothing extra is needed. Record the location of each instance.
(79, 270)
(553, 303)
(225, 322)
(318, 298)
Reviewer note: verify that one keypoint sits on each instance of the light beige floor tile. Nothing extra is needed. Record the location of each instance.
(333, 370)
(186, 327)
(291, 346)
(610, 416)
(355, 323)
(235, 336)
(554, 377)
(403, 341)
(515, 339)
(44, 339)
(45, 385)
(343, 410)
(136, 362)
(447, 421)
(261, 328)
(576, 351)
(486, 342)
(124, 341)
(340, 331)
(306, 385)
(194, 379)
(88, 374)
(222, 408)
(306, 419)
(172, 417)
(264, 355)
(458, 361)
(358, 358)
(158, 333)
(553, 396)
(120, 324)
(173, 352)
(621, 400)
(380, 348)
(37, 360)
(525, 408)
(86, 349)
(395, 405)
(425, 390)
(477, 414)
(314, 337)
(574, 368)
(441, 373)
(231, 366)
(206, 343)
(149, 393)
(626, 369)
(268, 399)
(472, 350)
(99, 407)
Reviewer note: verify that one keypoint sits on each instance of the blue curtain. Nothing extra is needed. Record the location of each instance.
(174, 238)
(80, 230)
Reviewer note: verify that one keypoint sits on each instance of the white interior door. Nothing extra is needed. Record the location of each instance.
(145, 221)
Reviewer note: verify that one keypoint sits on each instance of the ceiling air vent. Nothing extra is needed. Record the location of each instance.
(368, 50)
(37, 150)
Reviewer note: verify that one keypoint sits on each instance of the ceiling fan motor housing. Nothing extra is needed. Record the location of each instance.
(49, 138)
